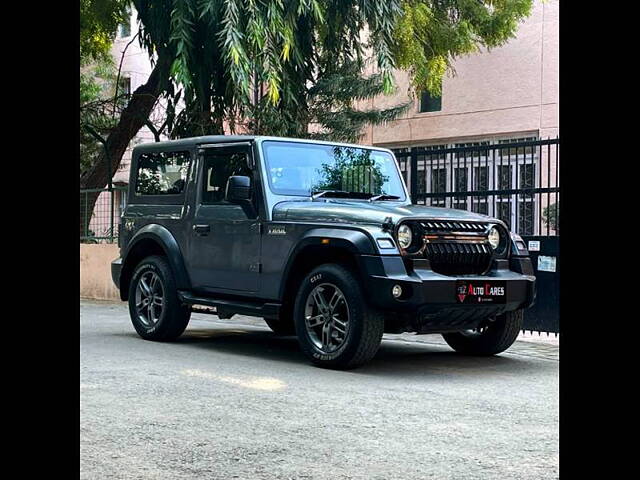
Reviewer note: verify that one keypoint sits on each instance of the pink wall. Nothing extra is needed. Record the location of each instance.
(512, 89)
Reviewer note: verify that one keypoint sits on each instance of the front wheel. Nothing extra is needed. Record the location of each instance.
(336, 327)
(155, 309)
(494, 337)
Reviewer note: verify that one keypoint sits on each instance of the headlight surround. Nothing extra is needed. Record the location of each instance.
(494, 238)
(405, 236)
(499, 239)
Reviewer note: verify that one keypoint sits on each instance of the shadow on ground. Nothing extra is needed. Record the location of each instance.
(393, 359)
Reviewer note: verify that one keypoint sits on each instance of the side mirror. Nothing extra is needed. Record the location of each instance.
(238, 189)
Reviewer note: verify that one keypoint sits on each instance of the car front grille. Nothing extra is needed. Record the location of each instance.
(457, 248)
(449, 226)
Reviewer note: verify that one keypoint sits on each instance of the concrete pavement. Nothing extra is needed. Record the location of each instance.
(230, 399)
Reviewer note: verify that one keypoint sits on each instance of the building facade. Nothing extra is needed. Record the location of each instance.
(508, 92)
(499, 97)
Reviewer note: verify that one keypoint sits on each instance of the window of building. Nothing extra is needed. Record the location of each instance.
(163, 173)
(438, 185)
(461, 179)
(481, 167)
(422, 183)
(124, 29)
(526, 216)
(125, 85)
(430, 102)
(480, 184)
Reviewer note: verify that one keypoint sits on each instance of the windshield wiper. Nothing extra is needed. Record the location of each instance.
(320, 193)
(359, 195)
(384, 196)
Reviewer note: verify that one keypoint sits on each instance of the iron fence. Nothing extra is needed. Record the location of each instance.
(100, 210)
(515, 181)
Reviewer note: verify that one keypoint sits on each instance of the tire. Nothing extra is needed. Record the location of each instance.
(331, 342)
(281, 326)
(154, 275)
(496, 337)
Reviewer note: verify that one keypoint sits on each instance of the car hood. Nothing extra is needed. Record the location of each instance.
(364, 212)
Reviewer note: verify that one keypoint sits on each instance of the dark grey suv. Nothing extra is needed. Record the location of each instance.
(319, 239)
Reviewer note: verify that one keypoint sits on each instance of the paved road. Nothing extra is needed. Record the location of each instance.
(230, 399)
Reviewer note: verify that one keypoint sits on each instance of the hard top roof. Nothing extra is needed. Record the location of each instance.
(189, 142)
(211, 139)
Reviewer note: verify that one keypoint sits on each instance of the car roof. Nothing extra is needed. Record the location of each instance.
(191, 141)
(213, 139)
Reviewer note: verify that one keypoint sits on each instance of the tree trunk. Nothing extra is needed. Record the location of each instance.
(132, 119)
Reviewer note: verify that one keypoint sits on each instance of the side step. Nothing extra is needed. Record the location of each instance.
(225, 308)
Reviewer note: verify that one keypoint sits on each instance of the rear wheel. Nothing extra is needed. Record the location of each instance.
(335, 326)
(154, 307)
(494, 337)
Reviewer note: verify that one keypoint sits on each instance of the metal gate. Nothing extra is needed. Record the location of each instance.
(515, 181)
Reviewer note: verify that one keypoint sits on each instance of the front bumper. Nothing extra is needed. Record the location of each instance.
(116, 269)
(430, 293)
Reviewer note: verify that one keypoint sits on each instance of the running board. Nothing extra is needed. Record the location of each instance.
(227, 308)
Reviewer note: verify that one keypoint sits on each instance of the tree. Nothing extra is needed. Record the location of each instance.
(277, 63)
(257, 59)
(430, 34)
(288, 64)
(330, 108)
(99, 20)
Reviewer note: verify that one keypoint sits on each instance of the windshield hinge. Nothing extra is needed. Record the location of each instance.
(387, 225)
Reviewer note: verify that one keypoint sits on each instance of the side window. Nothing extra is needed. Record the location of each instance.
(218, 168)
(163, 173)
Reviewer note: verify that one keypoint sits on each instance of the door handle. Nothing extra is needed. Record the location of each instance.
(202, 229)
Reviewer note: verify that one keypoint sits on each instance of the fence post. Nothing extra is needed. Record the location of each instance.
(413, 183)
(85, 229)
(106, 152)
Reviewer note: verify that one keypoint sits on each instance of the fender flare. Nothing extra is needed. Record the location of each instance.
(163, 237)
(356, 242)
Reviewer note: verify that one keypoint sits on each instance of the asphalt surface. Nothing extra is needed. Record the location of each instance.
(230, 399)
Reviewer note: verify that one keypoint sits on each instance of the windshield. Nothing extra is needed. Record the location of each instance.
(307, 168)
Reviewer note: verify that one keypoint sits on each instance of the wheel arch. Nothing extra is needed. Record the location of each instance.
(324, 245)
(153, 239)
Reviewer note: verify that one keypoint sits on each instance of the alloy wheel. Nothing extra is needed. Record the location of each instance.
(149, 298)
(327, 317)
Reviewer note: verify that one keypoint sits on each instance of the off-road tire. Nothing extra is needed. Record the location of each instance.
(174, 316)
(366, 323)
(281, 326)
(495, 338)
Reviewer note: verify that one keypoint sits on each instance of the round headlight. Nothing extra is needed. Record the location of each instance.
(494, 237)
(404, 236)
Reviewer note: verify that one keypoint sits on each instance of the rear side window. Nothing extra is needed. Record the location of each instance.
(162, 173)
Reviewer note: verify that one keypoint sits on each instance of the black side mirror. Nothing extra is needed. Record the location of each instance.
(238, 189)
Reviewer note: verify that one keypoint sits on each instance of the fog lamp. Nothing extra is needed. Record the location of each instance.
(396, 291)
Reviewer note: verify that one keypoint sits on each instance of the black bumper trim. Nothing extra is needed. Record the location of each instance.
(430, 292)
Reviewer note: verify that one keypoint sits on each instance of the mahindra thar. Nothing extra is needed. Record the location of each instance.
(321, 240)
